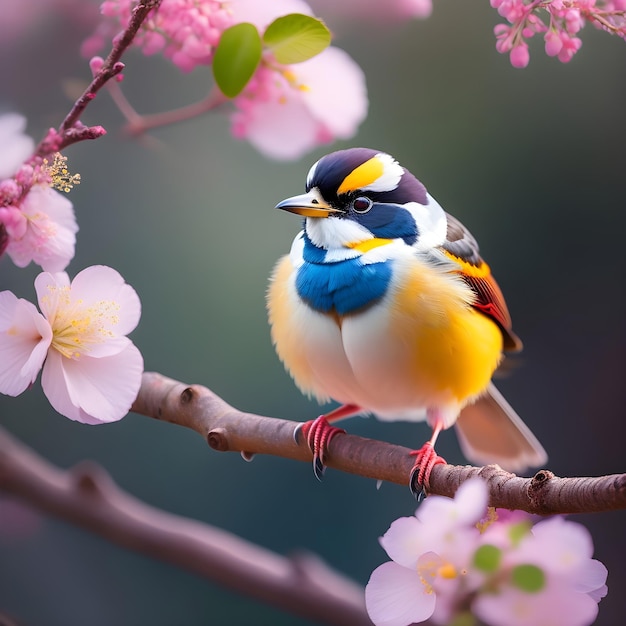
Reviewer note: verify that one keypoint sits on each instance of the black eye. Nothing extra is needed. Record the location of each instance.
(362, 204)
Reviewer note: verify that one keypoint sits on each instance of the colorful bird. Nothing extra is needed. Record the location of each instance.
(385, 306)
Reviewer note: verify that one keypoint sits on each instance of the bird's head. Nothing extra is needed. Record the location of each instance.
(359, 195)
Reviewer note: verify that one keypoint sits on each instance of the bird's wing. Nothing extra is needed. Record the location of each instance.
(461, 248)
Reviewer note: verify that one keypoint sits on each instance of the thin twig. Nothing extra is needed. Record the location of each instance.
(228, 429)
(138, 124)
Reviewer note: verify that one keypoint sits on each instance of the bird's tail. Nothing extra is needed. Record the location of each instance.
(490, 431)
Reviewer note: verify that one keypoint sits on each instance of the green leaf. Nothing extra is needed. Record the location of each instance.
(236, 58)
(528, 578)
(518, 531)
(487, 558)
(296, 37)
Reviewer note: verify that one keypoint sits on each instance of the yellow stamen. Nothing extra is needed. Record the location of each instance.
(76, 326)
(447, 571)
(60, 178)
(492, 516)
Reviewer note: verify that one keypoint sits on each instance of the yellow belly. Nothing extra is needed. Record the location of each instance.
(422, 347)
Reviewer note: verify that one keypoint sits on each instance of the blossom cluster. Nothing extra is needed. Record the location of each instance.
(184, 31)
(559, 21)
(91, 372)
(37, 222)
(285, 110)
(456, 557)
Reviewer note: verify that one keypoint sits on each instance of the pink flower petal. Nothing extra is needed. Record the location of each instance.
(16, 146)
(289, 112)
(571, 539)
(50, 236)
(99, 303)
(395, 596)
(404, 541)
(261, 14)
(99, 282)
(591, 579)
(281, 131)
(335, 94)
(25, 336)
(50, 288)
(557, 605)
(93, 391)
(467, 507)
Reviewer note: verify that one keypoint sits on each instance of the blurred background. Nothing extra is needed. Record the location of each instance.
(532, 161)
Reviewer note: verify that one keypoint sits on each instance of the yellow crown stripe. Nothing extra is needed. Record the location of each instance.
(360, 177)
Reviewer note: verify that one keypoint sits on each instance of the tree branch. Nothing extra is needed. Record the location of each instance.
(137, 124)
(228, 429)
(87, 496)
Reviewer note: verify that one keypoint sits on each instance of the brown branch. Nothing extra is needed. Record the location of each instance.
(88, 497)
(228, 429)
(138, 124)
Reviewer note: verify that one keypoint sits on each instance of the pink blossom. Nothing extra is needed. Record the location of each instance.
(431, 554)
(568, 583)
(288, 111)
(285, 111)
(37, 223)
(506, 572)
(49, 236)
(91, 370)
(559, 20)
(553, 43)
(16, 146)
(184, 31)
(519, 55)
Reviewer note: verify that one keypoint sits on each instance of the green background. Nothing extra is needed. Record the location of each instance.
(532, 161)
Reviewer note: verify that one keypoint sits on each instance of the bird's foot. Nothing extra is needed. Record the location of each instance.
(318, 434)
(426, 459)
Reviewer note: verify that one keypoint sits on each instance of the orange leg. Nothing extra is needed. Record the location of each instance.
(319, 432)
(426, 459)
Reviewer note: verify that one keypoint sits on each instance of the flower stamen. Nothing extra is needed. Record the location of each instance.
(77, 326)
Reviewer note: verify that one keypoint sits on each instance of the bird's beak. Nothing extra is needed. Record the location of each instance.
(309, 204)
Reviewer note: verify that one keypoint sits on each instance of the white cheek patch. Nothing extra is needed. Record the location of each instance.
(431, 223)
(332, 232)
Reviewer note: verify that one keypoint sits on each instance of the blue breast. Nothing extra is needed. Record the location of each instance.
(343, 286)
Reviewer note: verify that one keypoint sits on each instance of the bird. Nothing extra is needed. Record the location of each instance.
(384, 305)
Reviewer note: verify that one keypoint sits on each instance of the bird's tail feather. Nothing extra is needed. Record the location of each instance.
(490, 431)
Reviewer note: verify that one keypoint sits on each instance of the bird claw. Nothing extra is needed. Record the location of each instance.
(419, 479)
(318, 434)
(318, 468)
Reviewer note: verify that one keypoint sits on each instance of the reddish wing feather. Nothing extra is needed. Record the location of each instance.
(463, 248)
